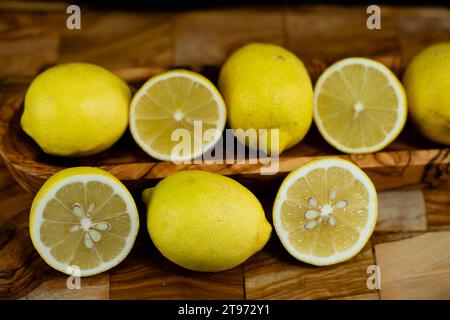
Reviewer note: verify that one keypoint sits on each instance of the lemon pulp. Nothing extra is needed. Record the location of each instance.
(325, 211)
(359, 105)
(174, 100)
(87, 222)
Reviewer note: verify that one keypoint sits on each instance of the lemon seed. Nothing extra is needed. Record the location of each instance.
(310, 225)
(311, 214)
(341, 204)
(77, 210)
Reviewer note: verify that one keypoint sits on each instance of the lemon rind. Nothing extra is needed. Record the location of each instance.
(196, 78)
(395, 84)
(48, 192)
(364, 234)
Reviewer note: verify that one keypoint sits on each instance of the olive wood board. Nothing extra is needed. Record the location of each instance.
(410, 161)
(410, 243)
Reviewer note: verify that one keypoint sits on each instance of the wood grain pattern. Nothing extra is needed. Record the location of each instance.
(364, 296)
(54, 287)
(137, 44)
(339, 37)
(28, 42)
(401, 211)
(146, 274)
(209, 37)
(21, 268)
(411, 21)
(393, 236)
(274, 274)
(416, 268)
(438, 208)
(409, 162)
(120, 40)
(33, 6)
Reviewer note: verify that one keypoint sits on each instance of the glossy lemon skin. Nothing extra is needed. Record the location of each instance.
(267, 87)
(76, 109)
(427, 85)
(204, 221)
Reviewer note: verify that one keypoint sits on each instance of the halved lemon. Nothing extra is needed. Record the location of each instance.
(325, 211)
(175, 100)
(359, 105)
(83, 221)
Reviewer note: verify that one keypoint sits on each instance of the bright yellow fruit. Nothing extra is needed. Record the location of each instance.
(83, 218)
(204, 221)
(76, 109)
(325, 211)
(427, 85)
(359, 105)
(177, 99)
(267, 87)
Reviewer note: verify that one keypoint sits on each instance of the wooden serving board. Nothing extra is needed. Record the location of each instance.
(411, 243)
(411, 161)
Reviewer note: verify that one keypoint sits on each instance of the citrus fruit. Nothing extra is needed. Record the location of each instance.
(76, 109)
(267, 87)
(83, 218)
(427, 85)
(174, 100)
(204, 221)
(359, 105)
(325, 211)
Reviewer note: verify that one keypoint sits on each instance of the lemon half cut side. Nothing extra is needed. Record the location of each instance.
(177, 99)
(325, 211)
(83, 221)
(359, 105)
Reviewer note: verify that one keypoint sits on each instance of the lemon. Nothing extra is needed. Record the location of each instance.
(427, 85)
(325, 211)
(359, 105)
(83, 220)
(204, 221)
(76, 109)
(267, 87)
(177, 99)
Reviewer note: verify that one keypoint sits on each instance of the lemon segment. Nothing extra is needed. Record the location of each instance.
(177, 99)
(83, 218)
(325, 211)
(359, 105)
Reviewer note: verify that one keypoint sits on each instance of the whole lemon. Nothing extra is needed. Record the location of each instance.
(267, 87)
(427, 85)
(76, 109)
(204, 221)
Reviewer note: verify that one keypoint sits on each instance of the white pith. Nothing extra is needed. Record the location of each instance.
(364, 233)
(358, 108)
(178, 117)
(401, 108)
(38, 220)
